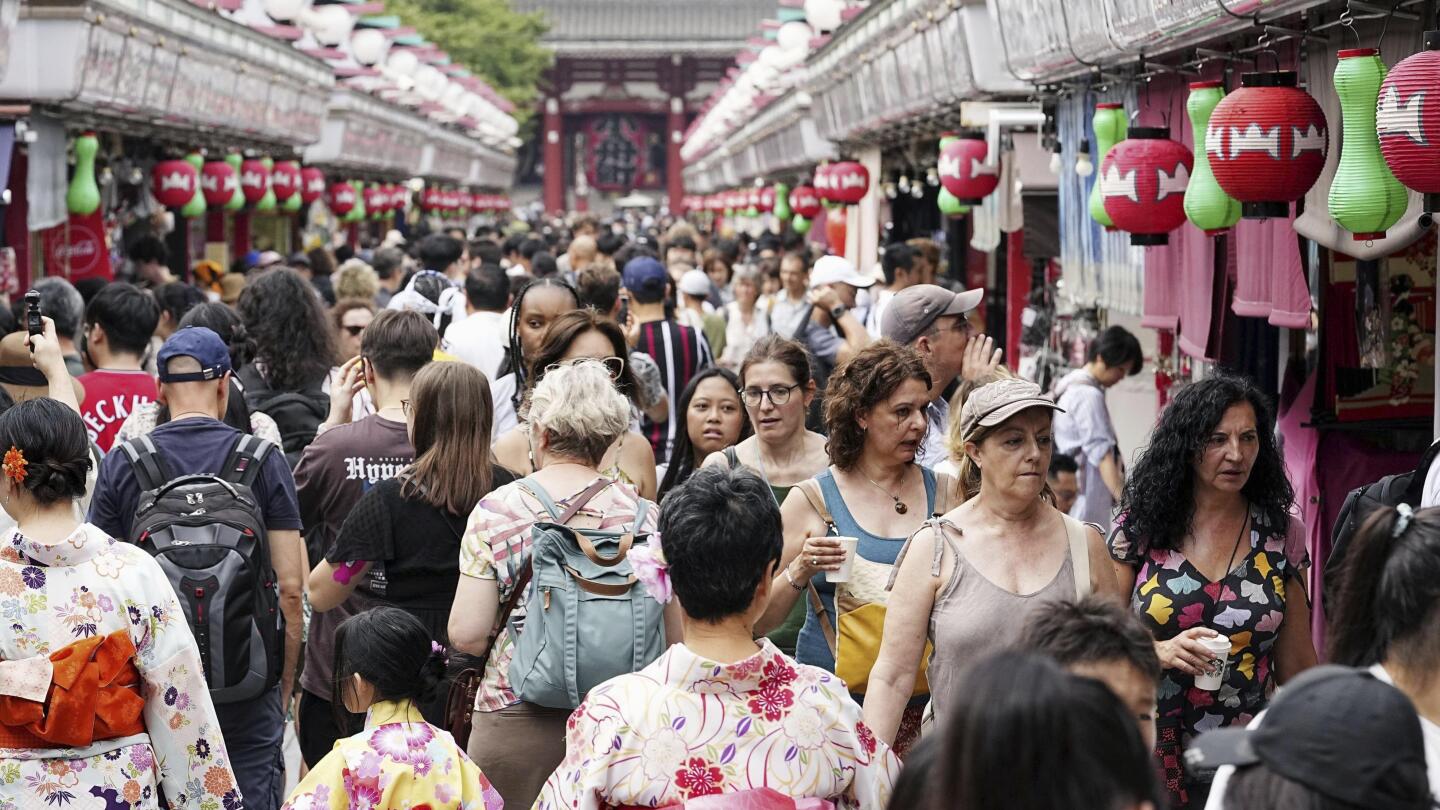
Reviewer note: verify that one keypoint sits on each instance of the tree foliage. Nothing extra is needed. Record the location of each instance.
(489, 38)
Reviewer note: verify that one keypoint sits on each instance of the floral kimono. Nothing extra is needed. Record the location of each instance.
(94, 607)
(399, 761)
(685, 727)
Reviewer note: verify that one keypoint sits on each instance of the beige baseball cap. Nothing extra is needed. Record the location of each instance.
(991, 404)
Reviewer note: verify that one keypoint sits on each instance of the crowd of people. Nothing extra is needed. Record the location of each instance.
(608, 518)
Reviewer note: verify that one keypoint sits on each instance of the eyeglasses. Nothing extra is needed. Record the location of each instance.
(778, 394)
(614, 365)
(405, 407)
(354, 330)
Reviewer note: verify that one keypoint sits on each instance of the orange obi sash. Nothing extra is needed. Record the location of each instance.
(93, 694)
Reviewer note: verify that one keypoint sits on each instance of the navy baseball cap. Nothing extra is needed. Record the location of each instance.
(200, 343)
(646, 277)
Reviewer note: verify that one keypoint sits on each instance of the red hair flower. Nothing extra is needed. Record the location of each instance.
(14, 465)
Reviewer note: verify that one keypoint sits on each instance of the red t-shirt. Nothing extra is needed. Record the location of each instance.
(110, 396)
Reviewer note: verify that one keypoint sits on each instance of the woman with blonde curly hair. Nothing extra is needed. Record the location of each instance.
(873, 490)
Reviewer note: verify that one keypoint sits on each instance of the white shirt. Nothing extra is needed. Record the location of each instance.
(480, 341)
(880, 299)
(1428, 729)
(501, 389)
(1431, 495)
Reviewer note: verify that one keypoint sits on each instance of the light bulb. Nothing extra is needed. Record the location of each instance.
(932, 177)
(917, 190)
(1083, 166)
(890, 192)
(1055, 164)
(904, 184)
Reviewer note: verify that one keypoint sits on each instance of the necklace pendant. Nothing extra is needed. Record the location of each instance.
(901, 508)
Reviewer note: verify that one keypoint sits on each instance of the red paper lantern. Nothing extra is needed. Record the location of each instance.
(254, 180)
(342, 198)
(1408, 121)
(217, 183)
(374, 200)
(399, 196)
(835, 231)
(964, 171)
(312, 185)
(805, 202)
(849, 182)
(822, 183)
(1266, 143)
(285, 179)
(173, 182)
(767, 199)
(1142, 183)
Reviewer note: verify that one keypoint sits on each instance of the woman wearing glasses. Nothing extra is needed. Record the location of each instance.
(582, 334)
(448, 419)
(776, 389)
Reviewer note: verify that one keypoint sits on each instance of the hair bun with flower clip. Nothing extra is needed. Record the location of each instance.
(651, 569)
(14, 465)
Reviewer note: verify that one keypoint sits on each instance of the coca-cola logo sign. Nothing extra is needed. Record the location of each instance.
(76, 249)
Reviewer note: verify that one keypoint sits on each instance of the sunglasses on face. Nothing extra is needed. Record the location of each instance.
(615, 366)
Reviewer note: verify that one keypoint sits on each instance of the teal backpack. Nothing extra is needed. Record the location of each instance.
(586, 618)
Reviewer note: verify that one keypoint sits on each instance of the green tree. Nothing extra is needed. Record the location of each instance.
(487, 37)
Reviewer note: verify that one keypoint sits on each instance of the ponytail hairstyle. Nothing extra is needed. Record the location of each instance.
(393, 652)
(1389, 606)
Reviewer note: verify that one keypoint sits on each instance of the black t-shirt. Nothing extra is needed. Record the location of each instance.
(413, 549)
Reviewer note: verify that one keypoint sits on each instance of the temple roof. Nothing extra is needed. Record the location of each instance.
(649, 27)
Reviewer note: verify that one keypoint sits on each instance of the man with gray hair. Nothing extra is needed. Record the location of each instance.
(62, 303)
(388, 263)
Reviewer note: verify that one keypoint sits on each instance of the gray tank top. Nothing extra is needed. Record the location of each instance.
(973, 617)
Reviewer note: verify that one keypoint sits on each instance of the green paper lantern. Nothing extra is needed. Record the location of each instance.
(752, 211)
(196, 206)
(1207, 206)
(357, 214)
(82, 198)
(801, 225)
(267, 202)
(1111, 126)
(237, 200)
(1365, 198)
(782, 203)
(292, 203)
(950, 205)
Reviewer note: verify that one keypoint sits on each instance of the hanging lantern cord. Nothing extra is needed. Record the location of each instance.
(1347, 20)
(1264, 46)
(1385, 26)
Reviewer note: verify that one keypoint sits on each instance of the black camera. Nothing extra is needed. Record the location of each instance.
(33, 323)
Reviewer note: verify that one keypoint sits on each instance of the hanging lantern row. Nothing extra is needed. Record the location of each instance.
(457, 202)
(193, 185)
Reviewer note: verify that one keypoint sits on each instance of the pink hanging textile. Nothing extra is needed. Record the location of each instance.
(1269, 277)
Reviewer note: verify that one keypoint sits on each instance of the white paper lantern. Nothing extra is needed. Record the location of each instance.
(285, 10)
(369, 45)
(454, 98)
(794, 36)
(772, 57)
(823, 15)
(402, 63)
(430, 83)
(330, 24)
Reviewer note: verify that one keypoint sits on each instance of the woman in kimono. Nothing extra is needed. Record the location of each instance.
(103, 702)
(386, 666)
(721, 712)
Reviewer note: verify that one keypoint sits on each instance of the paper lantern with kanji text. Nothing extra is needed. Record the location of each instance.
(1143, 181)
(174, 182)
(1407, 120)
(312, 184)
(767, 200)
(820, 181)
(964, 170)
(1267, 142)
(805, 202)
(254, 180)
(849, 182)
(218, 182)
(285, 179)
(342, 199)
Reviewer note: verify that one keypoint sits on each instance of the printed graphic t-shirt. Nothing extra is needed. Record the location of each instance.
(340, 466)
(110, 396)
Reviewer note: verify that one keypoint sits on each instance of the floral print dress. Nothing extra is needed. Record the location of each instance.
(685, 727)
(92, 585)
(399, 761)
(1248, 605)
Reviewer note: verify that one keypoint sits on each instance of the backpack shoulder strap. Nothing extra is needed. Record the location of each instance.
(533, 487)
(1416, 488)
(810, 488)
(145, 459)
(731, 457)
(575, 504)
(1079, 554)
(642, 509)
(246, 459)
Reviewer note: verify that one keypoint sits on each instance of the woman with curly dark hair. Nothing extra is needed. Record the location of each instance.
(294, 352)
(1208, 549)
(872, 496)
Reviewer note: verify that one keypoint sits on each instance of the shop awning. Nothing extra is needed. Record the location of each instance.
(164, 64)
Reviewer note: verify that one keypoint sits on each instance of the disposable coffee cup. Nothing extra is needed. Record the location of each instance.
(1219, 649)
(849, 545)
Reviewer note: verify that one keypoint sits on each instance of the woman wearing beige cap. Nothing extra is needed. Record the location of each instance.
(969, 582)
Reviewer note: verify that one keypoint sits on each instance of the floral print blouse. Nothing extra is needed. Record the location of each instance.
(685, 727)
(89, 585)
(399, 761)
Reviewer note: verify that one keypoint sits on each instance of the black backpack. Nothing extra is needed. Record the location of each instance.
(1392, 490)
(298, 414)
(208, 534)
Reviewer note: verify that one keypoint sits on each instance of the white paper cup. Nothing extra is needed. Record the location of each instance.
(843, 575)
(1219, 649)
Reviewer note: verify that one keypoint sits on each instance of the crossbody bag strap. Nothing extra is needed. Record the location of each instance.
(818, 607)
(1079, 555)
(810, 488)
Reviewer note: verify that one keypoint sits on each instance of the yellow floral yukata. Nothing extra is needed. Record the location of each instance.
(685, 727)
(399, 762)
(92, 585)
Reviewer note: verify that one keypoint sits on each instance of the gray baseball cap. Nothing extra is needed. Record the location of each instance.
(992, 404)
(914, 309)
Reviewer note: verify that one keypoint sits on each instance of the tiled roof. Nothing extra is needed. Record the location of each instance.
(580, 25)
